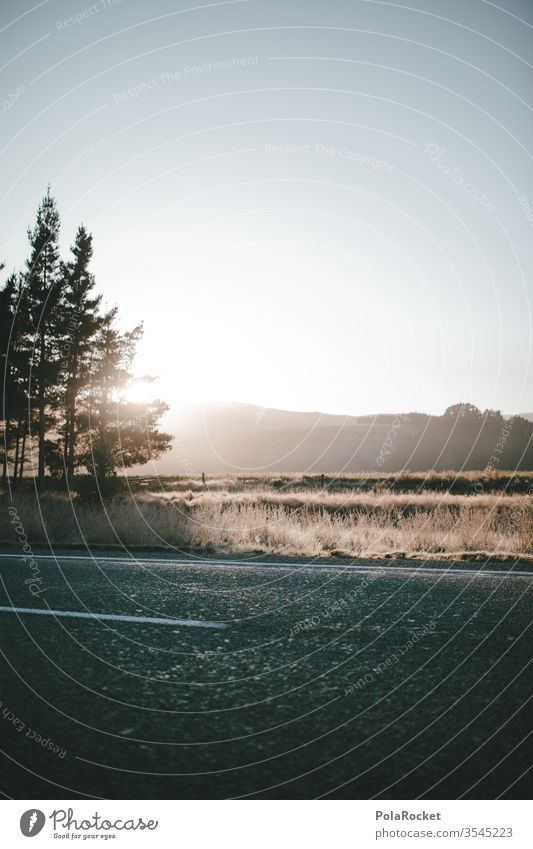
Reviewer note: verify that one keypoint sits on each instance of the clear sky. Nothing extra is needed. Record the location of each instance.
(311, 205)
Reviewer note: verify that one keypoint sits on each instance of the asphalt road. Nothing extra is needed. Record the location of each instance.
(221, 680)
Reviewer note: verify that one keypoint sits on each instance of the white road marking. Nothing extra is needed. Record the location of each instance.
(116, 617)
(425, 570)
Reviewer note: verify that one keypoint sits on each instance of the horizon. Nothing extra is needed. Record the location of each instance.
(200, 404)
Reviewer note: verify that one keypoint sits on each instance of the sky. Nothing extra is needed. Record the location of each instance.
(310, 205)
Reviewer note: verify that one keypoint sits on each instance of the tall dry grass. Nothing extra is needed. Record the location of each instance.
(311, 523)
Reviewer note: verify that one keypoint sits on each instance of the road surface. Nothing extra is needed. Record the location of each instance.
(150, 678)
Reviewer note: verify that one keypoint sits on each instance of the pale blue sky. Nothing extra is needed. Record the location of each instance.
(312, 205)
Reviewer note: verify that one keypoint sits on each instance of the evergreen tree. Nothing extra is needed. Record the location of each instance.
(81, 323)
(6, 321)
(65, 366)
(120, 433)
(14, 358)
(44, 299)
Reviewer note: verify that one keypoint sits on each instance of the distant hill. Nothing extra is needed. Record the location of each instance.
(240, 438)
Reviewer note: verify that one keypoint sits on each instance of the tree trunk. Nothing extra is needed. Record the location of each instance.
(23, 449)
(71, 452)
(65, 439)
(40, 476)
(6, 445)
(16, 466)
(71, 418)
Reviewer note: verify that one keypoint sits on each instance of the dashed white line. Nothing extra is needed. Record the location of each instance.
(116, 617)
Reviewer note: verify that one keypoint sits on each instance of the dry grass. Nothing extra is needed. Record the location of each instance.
(309, 523)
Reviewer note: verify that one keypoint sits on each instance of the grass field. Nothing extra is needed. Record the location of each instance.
(293, 516)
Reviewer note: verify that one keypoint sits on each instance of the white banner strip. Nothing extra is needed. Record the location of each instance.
(265, 824)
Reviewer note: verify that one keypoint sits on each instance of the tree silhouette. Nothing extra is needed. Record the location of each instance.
(463, 411)
(44, 296)
(14, 374)
(80, 326)
(65, 367)
(119, 433)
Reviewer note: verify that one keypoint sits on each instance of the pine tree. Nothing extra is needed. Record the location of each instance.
(14, 358)
(81, 323)
(120, 433)
(65, 367)
(6, 321)
(44, 298)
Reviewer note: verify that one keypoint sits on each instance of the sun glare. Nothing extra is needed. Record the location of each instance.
(139, 392)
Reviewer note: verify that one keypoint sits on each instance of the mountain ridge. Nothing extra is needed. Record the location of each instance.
(237, 438)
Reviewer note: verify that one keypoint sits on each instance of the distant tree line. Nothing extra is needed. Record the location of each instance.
(465, 438)
(66, 370)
